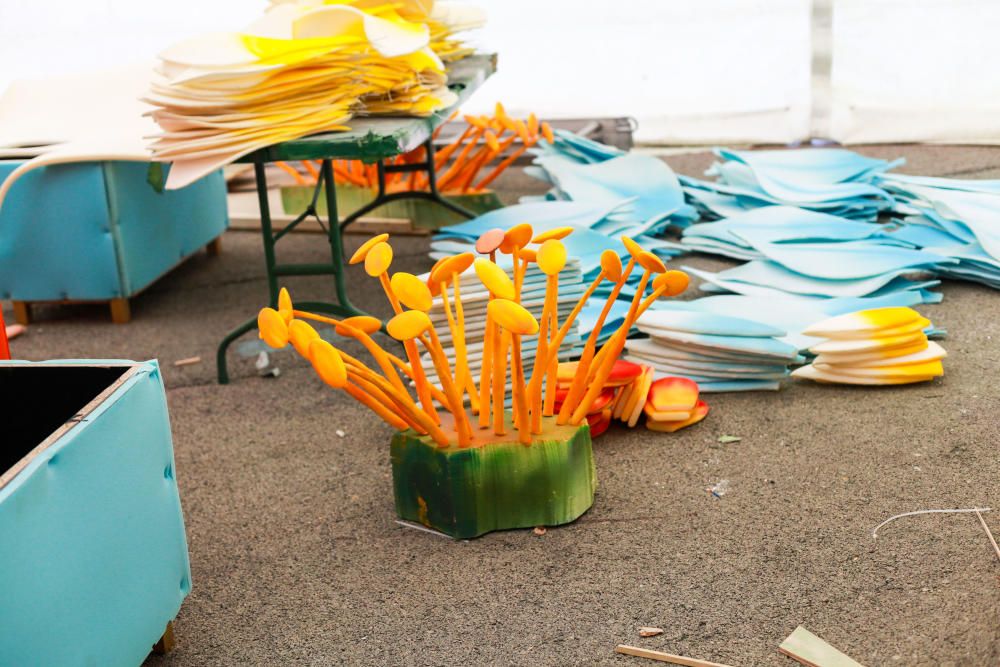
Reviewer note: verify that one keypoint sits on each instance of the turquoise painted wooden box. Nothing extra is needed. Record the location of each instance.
(99, 231)
(93, 556)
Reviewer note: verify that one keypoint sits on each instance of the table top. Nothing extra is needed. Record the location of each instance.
(373, 139)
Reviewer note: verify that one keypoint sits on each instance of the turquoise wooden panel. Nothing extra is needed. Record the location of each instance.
(93, 556)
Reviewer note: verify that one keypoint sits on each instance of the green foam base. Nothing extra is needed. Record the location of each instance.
(467, 492)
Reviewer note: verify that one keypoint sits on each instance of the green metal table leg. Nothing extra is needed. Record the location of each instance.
(342, 307)
(221, 366)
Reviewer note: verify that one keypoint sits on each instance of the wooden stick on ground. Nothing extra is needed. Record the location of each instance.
(665, 657)
(989, 534)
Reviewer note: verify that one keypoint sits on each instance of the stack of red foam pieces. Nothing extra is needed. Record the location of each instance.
(672, 403)
(623, 375)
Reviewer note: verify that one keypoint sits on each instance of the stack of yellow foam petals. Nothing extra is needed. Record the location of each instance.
(302, 68)
(874, 347)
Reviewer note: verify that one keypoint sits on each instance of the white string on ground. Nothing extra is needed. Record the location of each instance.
(977, 510)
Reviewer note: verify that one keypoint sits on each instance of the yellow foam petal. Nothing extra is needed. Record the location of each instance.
(408, 324)
(551, 257)
(875, 319)
(513, 317)
(301, 334)
(446, 269)
(611, 265)
(929, 368)
(411, 291)
(869, 344)
(672, 282)
(516, 237)
(273, 328)
(917, 355)
(494, 279)
(378, 259)
(810, 372)
(328, 363)
(557, 233)
(365, 323)
(362, 252)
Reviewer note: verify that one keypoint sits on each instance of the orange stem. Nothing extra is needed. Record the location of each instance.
(612, 350)
(293, 172)
(363, 397)
(583, 366)
(500, 168)
(412, 355)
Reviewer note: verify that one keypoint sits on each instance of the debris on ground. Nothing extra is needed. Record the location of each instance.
(718, 489)
(264, 368)
(726, 439)
(539, 530)
(805, 647)
(340, 433)
(646, 631)
(188, 361)
(15, 330)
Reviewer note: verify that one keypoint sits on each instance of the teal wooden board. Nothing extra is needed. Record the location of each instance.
(374, 139)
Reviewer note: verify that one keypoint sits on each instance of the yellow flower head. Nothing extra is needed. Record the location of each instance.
(408, 325)
(513, 317)
(273, 328)
(494, 279)
(361, 253)
(328, 363)
(365, 323)
(558, 233)
(516, 238)
(490, 241)
(611, 265)
(285, 306)
(411, 291)
(673, 282)
(378, 259)
(301, 334)
(650, 262)
(552, 257)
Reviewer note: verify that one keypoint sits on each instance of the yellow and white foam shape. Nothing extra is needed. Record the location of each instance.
(882, 346)
(304, 67)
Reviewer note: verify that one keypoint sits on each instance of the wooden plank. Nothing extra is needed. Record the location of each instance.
(665, 657)
(244, 214)
(167, 642)
(22, 312)
(812, 651)
(121, 312)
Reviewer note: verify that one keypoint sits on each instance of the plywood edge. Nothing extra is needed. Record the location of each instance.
(133, 368)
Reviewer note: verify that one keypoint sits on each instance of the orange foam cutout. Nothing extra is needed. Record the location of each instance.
(673, 394)
(697, 414)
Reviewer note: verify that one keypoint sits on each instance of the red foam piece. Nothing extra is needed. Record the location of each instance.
(599, 422)
(623, 372)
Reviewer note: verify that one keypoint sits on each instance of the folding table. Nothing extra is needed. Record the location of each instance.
(370, 140)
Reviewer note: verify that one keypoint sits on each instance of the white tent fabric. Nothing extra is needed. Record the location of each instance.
(915, 70)
(691, 71)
